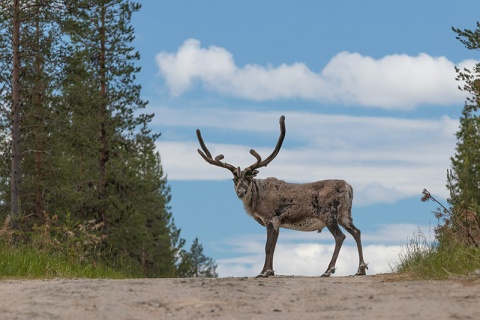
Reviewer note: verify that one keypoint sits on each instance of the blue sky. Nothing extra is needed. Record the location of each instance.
(369, 93)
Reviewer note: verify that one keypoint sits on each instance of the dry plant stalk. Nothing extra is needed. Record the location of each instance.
(460, 224)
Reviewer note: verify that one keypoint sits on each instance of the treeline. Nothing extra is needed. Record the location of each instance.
(78, 163)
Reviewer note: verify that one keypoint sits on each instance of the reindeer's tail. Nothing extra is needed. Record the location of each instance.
(345, 208)
(350, 192)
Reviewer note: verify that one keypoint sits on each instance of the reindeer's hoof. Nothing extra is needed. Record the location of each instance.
(328, 273)
(266, 274)
(362, 270)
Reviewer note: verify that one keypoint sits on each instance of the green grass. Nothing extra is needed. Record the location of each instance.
(27, 262)
(437, 260)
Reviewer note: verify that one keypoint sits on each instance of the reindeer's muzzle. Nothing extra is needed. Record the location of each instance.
(241, 192)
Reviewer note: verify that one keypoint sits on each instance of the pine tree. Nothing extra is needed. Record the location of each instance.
(35, 52)
(6, 73)
(10, 23)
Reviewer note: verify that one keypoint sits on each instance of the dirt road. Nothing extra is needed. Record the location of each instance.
(279, 297)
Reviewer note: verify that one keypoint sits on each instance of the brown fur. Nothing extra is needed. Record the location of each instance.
(277, 204)
(304, 207)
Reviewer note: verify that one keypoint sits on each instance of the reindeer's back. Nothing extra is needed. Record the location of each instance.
(324, 188)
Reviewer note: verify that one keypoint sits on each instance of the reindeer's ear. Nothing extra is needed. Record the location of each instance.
(254, 173)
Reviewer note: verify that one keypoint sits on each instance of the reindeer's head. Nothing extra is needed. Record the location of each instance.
(242, 178)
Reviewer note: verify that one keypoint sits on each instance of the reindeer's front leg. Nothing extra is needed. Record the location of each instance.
(272, 236)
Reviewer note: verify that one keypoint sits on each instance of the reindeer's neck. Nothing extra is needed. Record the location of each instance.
(251, 199)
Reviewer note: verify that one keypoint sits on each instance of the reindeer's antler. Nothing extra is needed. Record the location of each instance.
(207, 156)
(275, 152)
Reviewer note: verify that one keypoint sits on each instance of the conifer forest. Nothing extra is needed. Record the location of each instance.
(79, 172)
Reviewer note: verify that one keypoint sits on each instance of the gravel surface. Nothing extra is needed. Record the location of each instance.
(277, 297)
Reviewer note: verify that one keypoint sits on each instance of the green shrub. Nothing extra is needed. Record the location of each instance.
(439, 259)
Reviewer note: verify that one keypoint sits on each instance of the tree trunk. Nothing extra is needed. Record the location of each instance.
(15, 174)
(38, 123)
(102, 138)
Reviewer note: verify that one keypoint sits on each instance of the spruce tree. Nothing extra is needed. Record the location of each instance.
(196, 264)
(116, 172)
(101, 36)
(464, 177)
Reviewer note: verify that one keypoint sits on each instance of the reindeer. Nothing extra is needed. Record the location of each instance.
(277, 204)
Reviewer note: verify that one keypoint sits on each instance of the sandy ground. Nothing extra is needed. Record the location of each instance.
(278, 297)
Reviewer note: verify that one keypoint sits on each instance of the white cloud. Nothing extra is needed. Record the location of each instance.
(192, 62)
(385, 159)
(392, 82)
(301, 253)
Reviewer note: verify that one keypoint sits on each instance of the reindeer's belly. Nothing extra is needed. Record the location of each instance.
(305, 224)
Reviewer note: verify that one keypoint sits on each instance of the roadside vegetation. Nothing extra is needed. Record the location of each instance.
(437, 260)
(28, 262)
(456, 248)
(57, 250)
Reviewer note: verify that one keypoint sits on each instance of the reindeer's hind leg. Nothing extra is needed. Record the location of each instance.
(272, 236)
(339, 237)
(350, 227)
